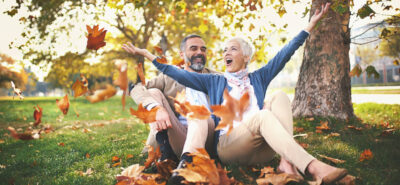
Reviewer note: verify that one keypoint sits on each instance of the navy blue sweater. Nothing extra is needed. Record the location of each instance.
(214, 84)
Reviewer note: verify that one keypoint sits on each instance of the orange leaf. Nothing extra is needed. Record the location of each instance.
(152, 156)
(22, 136)
(37, 115)
(116, 164)
(231, 110)
(164, 168)
(122, 80)
(144, 114)
(323, 126)
(95, 37)
(61, 144)
(178, 62)
(158, 50)
(187, 110)
(282, 178)
(80, 87)
(63, 104)
(87, 155)
(102, 94)
(129, 156)
(115, 159)
(366, 155)
(266, 170)
(354, 128)
(162, 60)
(140, 72)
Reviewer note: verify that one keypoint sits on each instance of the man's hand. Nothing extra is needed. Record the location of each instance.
(317, 16)
(130, 48)
(162, 119)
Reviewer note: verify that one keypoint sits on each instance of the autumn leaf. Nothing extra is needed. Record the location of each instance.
(116, 164)
(87, 155)
(372, 71)
(366, 155)
(115, 159)
(122, 80)
(61, 144)
(164, 168)
(356, 71)
(37, 115)
(152, 156)
(188, 110)
(80, 87)
(201, 170)
(95, 37)
(354, 128)
(17, 91)
(365, 11)
(178, 62)
(231, 110)
(158, 50)
(140, 72)
(148, 116)
(63, 104)
(266, 170)
(396, 62)
(102, 94)
(162, 60)
(22, 136)
(336, 161)
(323, 126)
(129, 156)
(281, 11)
(279, 179)
(387, 132)
(133, 175)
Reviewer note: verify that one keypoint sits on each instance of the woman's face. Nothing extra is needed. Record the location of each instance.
(233, 57)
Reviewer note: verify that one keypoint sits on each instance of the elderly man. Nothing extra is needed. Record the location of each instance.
(171, 131)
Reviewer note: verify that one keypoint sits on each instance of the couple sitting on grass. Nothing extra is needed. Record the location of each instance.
(266, 128)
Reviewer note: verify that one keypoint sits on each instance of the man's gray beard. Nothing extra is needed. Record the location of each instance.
(194, 65)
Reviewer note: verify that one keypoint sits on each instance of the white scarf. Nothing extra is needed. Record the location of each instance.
(239, 79)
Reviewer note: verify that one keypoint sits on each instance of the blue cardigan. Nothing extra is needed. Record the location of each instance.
(214, 84)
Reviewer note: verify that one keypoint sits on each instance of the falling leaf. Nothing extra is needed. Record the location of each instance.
(37, 115)
(372, 71)
(189, 111)
(140, 72)
(152, 156)
(129, 156)
(122, 80)
(102, 94)
(61, 144)
(22, 136)
(158, 50)
(178, 62)
(17, 91)
(366, 155)
(63, 104)
(281, 11)
(80, 87)
(95, 37)
(336, 161)
(356, 71)
(396, 62)
(162, 60)
(148, 116)
(231, 110)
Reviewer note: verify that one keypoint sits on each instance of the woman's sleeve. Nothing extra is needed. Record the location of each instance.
(193, 80)
(276, 64)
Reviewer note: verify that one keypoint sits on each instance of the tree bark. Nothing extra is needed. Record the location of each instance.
(324, 88)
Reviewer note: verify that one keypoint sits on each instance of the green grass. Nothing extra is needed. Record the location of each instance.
(291, 90)
(43, 161)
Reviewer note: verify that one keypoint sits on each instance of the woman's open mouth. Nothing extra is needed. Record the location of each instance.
(229, 61)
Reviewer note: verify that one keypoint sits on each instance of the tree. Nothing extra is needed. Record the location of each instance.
(390, 44)
(7, 74)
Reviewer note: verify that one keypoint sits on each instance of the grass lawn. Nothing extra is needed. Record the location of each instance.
(104, 130)
(357, 90)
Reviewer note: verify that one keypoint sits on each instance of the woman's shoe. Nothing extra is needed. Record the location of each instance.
(334, 176)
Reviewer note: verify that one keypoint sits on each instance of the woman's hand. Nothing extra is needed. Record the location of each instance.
(317, 16)
(130, 48)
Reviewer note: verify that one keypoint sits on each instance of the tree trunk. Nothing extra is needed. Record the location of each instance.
(324, 87)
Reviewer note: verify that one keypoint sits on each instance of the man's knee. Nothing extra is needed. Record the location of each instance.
(155, 92)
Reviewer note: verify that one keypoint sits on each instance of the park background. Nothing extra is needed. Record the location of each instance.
(43, 50)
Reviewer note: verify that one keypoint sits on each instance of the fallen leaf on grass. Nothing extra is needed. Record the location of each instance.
(115, 159)
(61, 144)
(133, 175)
(152, 156)
(188, 110)
(310, 119)
(102, 94)
(95, 37)
(87, 155)
(22, 136)
(129, 156)
(333, 134)
(266, 170)
(63, 104)
(279, 179)
(37, 115)
(144, 114)
(336, 161)
(354, 128)
(387, 132)
(116, 164)
(231, 110)
(304, 145)
(298, 129)
(323, 126)
(164, 168)
(366, 155)
(248, 177)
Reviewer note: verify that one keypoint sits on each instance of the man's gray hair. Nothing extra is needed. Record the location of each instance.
(183, 43)
(247, 47)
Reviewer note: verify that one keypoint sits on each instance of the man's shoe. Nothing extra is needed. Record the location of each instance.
(175, 177)
(165, 147)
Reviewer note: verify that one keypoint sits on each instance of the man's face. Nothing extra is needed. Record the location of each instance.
(195, 54)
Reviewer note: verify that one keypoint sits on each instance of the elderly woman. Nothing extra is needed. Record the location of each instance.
(265, 129)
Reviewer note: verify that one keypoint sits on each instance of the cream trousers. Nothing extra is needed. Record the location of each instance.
(259, 138)
(197, 134)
